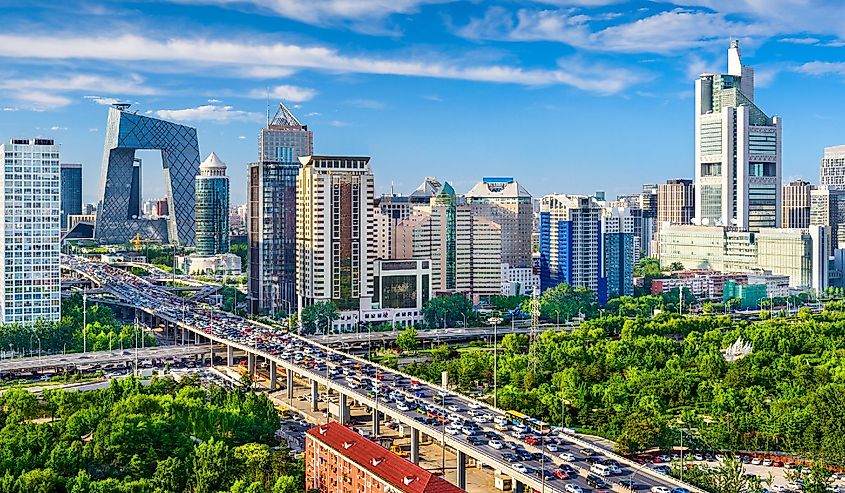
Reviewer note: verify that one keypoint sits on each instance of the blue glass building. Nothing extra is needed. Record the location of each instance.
(212, 207)
(619, 264)
(71, 186)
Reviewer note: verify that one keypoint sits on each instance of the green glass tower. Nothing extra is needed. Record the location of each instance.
(446, 198)
(212, 207)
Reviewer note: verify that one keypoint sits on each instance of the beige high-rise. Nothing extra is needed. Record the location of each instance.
(796, 204)
(505, 202)
(675, 201)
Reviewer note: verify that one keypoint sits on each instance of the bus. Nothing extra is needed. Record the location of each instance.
(518, 419)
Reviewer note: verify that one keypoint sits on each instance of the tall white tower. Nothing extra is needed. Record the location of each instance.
(737, 151)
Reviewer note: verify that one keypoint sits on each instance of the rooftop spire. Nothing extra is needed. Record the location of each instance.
(284, 118)
(734, 59)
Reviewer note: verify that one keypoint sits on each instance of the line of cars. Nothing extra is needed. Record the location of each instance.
(461, 418)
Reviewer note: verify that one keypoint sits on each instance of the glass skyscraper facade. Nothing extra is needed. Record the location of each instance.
(212, 207)
(619, 264)
(271, 213)
(71, 184)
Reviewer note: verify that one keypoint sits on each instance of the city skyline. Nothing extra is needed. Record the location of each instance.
(477, 73)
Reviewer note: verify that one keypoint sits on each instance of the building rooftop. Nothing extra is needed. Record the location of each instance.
(498, 187)
(380, 462)
(427, 189)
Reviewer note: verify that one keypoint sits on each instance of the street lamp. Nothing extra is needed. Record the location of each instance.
(495, 321)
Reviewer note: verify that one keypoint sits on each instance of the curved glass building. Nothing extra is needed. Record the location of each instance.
(212, 207)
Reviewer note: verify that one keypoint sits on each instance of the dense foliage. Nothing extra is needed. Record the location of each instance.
(448, 311)
(318, 317)
(167, 437)
(638, 381)
(66, 334)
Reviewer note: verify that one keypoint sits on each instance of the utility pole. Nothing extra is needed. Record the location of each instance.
(84, 322)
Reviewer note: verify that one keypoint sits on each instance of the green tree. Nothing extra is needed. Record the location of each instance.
(212, 467)
(287, 484)
(407, 340)
(317, 317)
(448, 310)
(170, 475)
(728, 477)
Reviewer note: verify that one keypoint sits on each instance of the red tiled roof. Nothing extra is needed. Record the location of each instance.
(379, 461)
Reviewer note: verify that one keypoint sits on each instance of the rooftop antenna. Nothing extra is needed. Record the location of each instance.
(391, 187)
(268, 106)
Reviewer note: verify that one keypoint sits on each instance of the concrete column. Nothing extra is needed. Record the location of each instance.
(376, 423)
(184, 335)
(518, 487)
(314, 395)
(343, 407)
(250, 363)
(211, 355)
(462, 470)
(415, 445)
(230, 356)
(289, 382)
(272, 376)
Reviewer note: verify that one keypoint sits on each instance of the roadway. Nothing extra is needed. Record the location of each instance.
(385, 391)
(92, 358)
(434, 335)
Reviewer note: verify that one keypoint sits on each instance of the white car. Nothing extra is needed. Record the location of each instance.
(403, 407)
(660, 489)
(479, 419)
(767, 462)
(453, 408)
(496, 444)
(572, 488)
(552, 447)
(452, 430)
(567, 457)
(778, 488)
(518, 467)
(474, 405)
(756, 461)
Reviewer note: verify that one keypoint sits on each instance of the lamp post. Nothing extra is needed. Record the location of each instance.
(84, 322)
(495, 321)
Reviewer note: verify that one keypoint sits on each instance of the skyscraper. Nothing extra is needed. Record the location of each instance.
(30, 285)
(464, 247)
(571, 243)
(71, 183)
(505, 202)
(618, 264)
(334, 244)
(675, 201)
(737, 151)
(271, 212)
(212, 207)
(832, 170)
(827, 208)
(796, 204)
(119, 209)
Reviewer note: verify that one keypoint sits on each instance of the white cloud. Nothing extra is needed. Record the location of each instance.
(368, 104)
(11, 108)
(212, 101)
(266, 72)
(40, 100)
(338, 123)
(56, 127)
(433, 97)
(325, 11)
(230, 53)
(102, 100)
(822, 68)
(241, 137)
(93, 129)
(800, 41)
(209, 112)
(285, 92)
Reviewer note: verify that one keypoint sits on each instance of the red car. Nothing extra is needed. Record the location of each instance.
(532, 440)
(560, 474)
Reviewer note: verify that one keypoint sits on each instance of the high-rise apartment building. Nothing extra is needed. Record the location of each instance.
(737, 151)
(212, 207)
(464, 248)
(571, 243)
(618, 263)
(30, 284)
(334, 232)
(71, 183)
(832, 170)
(827, 208)
(675, 202)
(271, 213)
(649, 205)
(504, 201)
(622, 219)
(796, 204)
(399, 207)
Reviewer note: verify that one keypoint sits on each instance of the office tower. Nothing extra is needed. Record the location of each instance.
(832, 171)
(737, 151)
(30, 244)
(271, 213)
(71, 183)
(796, 204)
(334, 232)
(212, 207)
(505, 202)
(618, 262)
(464, 248)
(649, 205)
(161, 208)
(571, 243)
(827, 208)
(623, 219)
(120, 204)
(399, 207)
(383, 235)
(675, 202)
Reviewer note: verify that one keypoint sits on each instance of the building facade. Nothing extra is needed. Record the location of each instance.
(827, 208)
(675, 201)
(796, 204)
(504, 201)
(737, 152)
(71, 203)
(832, 170)
(618, 264)
(212, 207)
(271, 213)
(119, 209)
(401, 288)
(30, 242)
(338, 460)
(334, 232)
(571, 243)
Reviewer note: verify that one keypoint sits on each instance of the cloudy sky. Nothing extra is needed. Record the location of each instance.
(566, 95)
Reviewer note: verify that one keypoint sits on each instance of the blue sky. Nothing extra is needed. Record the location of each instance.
(568, 96)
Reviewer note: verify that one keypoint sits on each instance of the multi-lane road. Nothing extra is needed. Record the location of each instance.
(420, 407)
(94, 358)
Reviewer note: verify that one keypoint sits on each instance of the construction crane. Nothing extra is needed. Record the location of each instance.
(137, 241)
